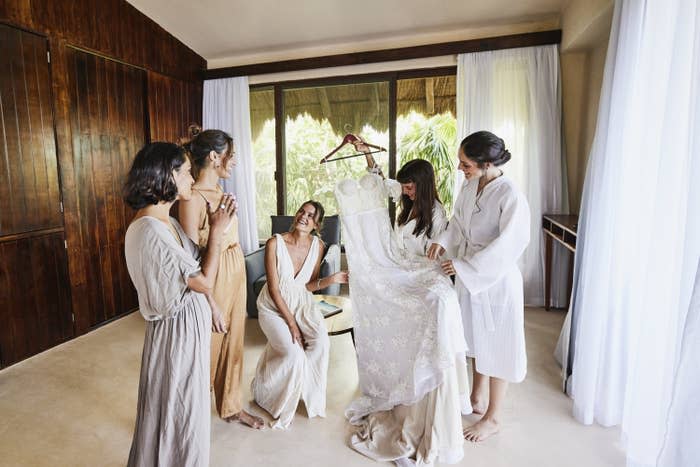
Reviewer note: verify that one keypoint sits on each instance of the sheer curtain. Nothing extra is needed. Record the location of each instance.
(639, 231)
(516, 94)
(681, 447)
(226, 107)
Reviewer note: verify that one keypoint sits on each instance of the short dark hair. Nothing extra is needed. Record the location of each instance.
(150, 179)
(420, 172)
(201, 143)
(483, 147)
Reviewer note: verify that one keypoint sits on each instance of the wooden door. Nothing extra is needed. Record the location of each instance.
(107, 121)
(35, 302)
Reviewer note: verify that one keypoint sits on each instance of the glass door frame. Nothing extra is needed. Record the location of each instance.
(391, 77)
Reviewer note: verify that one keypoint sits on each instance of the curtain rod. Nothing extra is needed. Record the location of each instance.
(387, 55)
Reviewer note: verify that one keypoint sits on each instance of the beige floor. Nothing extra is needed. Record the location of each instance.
(75, 405)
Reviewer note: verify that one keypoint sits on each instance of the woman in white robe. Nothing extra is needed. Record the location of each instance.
(173, 412)
(490, 230)
(294, 364)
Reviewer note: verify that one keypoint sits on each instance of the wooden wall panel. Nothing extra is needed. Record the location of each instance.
(29, 189)
(100, 120)
(172, 106)
(35, 304)
(110, 27)
(107, 127)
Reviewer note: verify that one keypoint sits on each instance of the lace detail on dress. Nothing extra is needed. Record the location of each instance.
(408, 324)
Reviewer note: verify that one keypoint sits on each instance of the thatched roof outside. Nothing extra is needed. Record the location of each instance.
(349, 107)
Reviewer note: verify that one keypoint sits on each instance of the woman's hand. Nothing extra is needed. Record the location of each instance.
(217, 319)
(220, 215)
(448, 268)
(435, 251)
(340, 277)
(297, 336)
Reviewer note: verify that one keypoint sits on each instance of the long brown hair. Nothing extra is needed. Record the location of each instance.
(420, 172)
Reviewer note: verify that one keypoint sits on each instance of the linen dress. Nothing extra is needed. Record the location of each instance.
(230, 295)
(286, 373)
(173, 412)
(490, 232)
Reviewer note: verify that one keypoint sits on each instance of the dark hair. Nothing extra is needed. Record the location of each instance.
(318, 218)
(420, 172)
(201, 143)
(483, 147)
(150, 179)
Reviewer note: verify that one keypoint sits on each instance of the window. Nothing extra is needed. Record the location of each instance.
(262, 119)
(415, 109)
(316, 119)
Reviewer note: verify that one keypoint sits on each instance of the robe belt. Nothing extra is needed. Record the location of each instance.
(233, 245)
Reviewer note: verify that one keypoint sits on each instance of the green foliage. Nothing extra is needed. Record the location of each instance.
(435, 140)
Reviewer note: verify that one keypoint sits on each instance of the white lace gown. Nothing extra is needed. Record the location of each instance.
(408, 332)
(286, 373)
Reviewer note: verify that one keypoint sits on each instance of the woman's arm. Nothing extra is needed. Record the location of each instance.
(316, 283)
(190, 216)
(484, 268)
(217, 320)
(218, 220)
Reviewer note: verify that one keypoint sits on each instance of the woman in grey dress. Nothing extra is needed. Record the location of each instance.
(173, 413)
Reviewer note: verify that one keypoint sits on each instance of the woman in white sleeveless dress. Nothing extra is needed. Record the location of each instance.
(294, 364)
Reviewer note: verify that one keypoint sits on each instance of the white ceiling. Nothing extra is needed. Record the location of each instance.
(228, 31)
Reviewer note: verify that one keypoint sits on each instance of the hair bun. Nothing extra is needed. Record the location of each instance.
(505, 157)
(194, 130)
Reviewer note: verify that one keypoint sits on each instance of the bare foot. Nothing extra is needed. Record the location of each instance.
(481, 430)
(479, 406)
(247, 419)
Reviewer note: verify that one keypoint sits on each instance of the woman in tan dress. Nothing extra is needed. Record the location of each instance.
(212, 155)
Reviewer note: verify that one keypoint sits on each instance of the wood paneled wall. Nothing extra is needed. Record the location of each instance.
(107, 124)
(29, 191)
(35, 302)
(172, 106)
(110, 27)
(117, 80)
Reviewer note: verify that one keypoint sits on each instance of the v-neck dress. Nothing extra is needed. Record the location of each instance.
(286, 373)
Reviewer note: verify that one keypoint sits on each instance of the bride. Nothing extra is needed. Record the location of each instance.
(408, 331)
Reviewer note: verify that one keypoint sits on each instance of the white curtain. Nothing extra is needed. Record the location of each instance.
(226, 107)
(681, 448)
(516, 94)
(639, 231)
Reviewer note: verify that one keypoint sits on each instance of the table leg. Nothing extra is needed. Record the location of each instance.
(547, 270)
(570, 283)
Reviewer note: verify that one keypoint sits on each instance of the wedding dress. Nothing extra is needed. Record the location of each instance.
(408, 334)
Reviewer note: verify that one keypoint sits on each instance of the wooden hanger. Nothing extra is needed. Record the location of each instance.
(359, 144)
